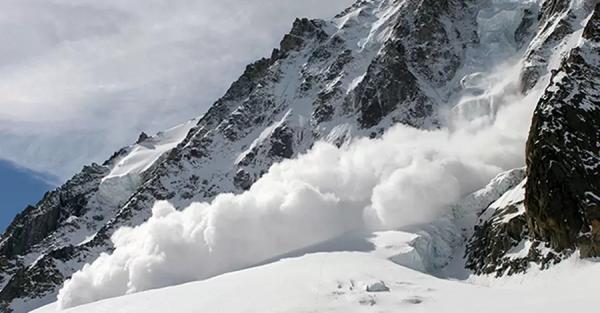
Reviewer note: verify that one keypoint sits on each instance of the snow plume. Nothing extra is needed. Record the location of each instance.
(409, 176)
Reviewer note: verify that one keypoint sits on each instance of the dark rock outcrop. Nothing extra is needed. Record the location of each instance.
(563, 152)
(559, 210)
(501, 244)
(423, 48)
(557, 20)
(243, 180)
(35, 223)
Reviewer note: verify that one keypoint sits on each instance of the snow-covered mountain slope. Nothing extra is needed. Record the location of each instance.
(467, 67)
(360, 276)
(71, 215)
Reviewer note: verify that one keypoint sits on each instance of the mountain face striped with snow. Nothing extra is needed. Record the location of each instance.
(554, 213)
(376, 64)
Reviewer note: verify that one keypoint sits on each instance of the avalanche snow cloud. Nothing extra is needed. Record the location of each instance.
(407, 177)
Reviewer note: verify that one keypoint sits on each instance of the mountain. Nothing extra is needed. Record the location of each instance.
(554, 213)
(428, 64)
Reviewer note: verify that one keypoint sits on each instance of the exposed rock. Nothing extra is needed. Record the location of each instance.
(563, 152)
(557, 20)
(524, 30)
(420, 49)
(243, 180)
(32, 225)
(557, 212)
(378, 286)
(143, 136)
(302, 30)
(282, 143)
(501, 244)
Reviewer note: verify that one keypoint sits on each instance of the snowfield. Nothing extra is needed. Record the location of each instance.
(337, 281)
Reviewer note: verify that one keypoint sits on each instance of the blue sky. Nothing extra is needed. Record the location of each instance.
(18, 187)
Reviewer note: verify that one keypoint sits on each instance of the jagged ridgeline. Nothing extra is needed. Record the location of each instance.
(376, 64)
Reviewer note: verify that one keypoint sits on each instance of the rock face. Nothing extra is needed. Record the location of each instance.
(378, 286)
(501, 243)
(44, 228)
(563, 152)
(557, 20)
(35, 223)
(556, 209)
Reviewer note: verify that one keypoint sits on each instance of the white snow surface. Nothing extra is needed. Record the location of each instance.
(336, 281)
(144, 154)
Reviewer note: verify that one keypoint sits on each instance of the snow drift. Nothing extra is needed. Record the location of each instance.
(407, 177)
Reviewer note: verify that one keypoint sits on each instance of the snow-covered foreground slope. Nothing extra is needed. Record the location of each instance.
(355, 279)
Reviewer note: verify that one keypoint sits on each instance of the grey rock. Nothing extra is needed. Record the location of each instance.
(563, 153)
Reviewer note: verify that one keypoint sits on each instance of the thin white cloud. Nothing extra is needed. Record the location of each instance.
(81, 78)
